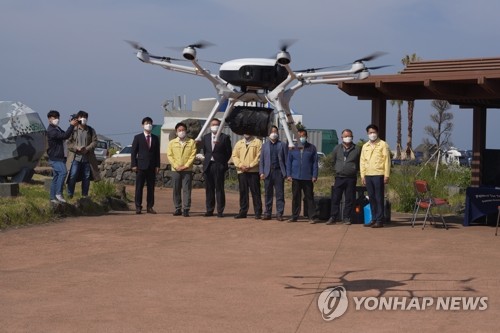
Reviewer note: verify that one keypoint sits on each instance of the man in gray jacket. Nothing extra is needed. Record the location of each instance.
(346, 165)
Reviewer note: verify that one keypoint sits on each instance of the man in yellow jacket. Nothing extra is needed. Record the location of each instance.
(181, 152)
(246, 157)
(375, 169)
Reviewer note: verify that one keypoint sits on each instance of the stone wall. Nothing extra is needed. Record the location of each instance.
(120, 172)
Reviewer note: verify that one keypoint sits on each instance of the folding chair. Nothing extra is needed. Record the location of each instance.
(425, 200)
(498, 219)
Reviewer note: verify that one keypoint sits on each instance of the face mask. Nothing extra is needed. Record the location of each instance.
(273, 136)
(55, 122)
(181, 134)
(372, 136)
(214, 128)
(246, 136)
(83, 121)
(347, 139)
(303, 140)
(148, 127)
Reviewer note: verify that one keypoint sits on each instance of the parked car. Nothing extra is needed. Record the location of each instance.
(101, 151)
(125, 152)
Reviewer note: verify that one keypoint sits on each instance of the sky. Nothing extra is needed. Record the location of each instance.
(71, 55)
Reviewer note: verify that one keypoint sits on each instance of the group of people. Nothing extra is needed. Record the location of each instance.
(71, 150)
(272, 162)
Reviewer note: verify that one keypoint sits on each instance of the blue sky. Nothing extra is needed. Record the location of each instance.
(70, 55)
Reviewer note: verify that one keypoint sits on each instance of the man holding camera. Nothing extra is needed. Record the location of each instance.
(81, 158)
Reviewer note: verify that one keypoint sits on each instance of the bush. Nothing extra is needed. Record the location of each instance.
(402, 194)
(103, 189)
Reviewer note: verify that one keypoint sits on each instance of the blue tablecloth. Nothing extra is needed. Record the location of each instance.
(479, 202)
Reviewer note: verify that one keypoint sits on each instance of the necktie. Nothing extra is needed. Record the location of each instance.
(148, 140)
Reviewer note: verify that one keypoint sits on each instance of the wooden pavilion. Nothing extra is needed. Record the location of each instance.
(470, 83)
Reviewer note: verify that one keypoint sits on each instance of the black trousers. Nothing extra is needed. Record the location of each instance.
(346, 186)
(250, 180)
(274, 183)
(147, 177)
(214, 187)
(375, 189)
(299, 186)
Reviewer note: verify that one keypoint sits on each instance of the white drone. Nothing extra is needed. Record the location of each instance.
(255, 82)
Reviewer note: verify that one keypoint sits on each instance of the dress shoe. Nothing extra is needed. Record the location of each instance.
(208, 214)
(292, 219)
(369, 225)
(313, 221)
(258, 217)
(138, 210)
(266, 217)
(331, 221)
(220, 215)
(151, 211)
(240, 216)
(279, 218)
(378, 225)
(177, 212)
(347, 222)
(185, 213)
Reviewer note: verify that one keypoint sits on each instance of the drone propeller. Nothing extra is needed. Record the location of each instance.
(202, 44)
(314, 70)
(372, 56)
(167, 59)
(369, 68)
(286, 43)
(136, 45)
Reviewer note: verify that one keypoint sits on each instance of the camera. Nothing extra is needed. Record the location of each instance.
(72, 117)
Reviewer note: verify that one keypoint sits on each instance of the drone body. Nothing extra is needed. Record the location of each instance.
(253, 73)
(249, 85)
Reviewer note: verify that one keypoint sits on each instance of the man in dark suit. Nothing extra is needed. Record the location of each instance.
(217, 155)
(272, 169)
(145, 159)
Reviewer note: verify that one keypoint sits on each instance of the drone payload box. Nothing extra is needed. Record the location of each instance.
(253, 73)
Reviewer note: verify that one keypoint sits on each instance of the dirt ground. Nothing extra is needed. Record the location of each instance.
(158, 273)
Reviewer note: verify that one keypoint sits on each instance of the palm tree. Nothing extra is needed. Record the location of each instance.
(399, 103)
(411, 104)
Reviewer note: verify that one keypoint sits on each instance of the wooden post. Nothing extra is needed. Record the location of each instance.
(478, 143)
(379, 116)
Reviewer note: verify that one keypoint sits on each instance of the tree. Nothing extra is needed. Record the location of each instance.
(440, 133)
(411, 104)
(398, 103)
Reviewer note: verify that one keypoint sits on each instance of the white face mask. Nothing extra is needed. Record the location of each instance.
(181, 134)
(347, 139)
(83, 121)
(372, 136)
(214, 128)
(303, 139)
(273, 136)
(55, 122)
(148, 127)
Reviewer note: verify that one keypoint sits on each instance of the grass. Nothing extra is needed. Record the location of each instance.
(32, 205)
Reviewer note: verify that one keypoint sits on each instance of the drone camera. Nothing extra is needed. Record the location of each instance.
(189, 53)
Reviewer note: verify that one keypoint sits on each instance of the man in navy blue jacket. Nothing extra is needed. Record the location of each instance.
(272, 169)
(302, 170)
(57, 154)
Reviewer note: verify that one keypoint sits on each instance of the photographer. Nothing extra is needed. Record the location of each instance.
(57, 154)
(81, 158)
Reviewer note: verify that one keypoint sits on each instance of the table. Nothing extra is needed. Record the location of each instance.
(479, 202)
